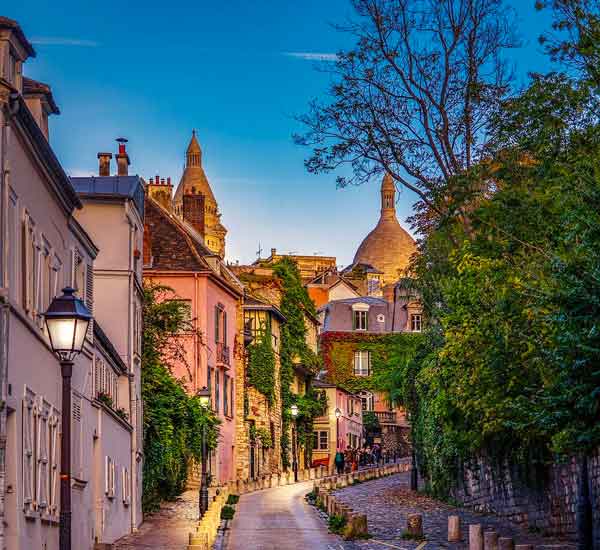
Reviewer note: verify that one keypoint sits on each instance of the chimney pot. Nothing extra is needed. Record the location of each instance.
(169, 180)
(104, 164)
(162, 181)
(122, 158)
(273, 251)
(151, 181)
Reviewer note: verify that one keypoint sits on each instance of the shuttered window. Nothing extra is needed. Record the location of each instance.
(76, 438)
(29, 457)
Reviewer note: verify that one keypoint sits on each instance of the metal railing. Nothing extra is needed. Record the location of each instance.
(223, 356)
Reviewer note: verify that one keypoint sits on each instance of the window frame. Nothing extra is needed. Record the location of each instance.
(361, 370)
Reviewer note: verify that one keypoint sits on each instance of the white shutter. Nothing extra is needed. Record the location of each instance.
(28, 459)
(76, 427)
(42, 456)
(54, 457)
(89, 297)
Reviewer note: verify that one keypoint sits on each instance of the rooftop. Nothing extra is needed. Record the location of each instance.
(112, 187)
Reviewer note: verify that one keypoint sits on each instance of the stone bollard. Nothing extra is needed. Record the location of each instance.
(524, 547)
(356, 526)
(506, 543)
(414, 525)
(475, 537)
(454, 529)
(490, 540)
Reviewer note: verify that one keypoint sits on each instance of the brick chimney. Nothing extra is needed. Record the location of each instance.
(161, 191)
(122, 158)
(104, 164)
(193, 211)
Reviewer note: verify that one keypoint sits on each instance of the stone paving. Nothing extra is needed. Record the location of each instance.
(388, 501)
(279, 519)
(166, 529)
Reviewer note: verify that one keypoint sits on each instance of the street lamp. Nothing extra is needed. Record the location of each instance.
(338, 413)
(67, 321)
(294, 412)
(204, 396)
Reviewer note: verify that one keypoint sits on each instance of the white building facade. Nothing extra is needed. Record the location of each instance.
(43, 248)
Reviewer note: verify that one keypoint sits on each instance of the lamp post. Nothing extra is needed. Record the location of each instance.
(338, 413)
(204, 397)
(294, 412)
(67, 321)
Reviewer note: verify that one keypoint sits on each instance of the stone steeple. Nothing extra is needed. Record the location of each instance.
(195, 202)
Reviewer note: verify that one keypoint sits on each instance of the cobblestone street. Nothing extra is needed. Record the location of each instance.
(388, 501)
(168, 528)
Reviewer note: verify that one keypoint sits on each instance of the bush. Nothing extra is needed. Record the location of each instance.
(227, 512)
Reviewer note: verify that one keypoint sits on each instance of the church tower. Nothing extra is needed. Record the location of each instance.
(195, 202)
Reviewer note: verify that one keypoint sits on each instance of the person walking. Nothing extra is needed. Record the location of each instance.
(339, 462)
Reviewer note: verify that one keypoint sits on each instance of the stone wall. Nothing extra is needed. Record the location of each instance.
(543, 498)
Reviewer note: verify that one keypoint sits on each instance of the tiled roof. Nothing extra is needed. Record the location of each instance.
(124, 187)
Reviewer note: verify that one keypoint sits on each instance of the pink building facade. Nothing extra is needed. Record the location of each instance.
(336, 432)
(175, 256)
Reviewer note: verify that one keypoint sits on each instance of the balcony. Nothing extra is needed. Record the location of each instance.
(223, 357)
(392, 418)
(386, 417)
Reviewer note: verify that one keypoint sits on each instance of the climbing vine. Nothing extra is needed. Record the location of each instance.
(261, 365)
(295, 305)
(387, 351)
(173, 420)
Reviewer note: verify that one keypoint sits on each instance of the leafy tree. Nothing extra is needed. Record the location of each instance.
(173, 421)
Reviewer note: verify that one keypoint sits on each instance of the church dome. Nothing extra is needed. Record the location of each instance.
(388, 247)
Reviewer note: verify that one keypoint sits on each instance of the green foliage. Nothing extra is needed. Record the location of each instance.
(265, 437)
(173, 421)
(371, 423)
(387, 352)
(337, 524)
(509, 365)
(295, 303)
(233, 499)
(227, 512)
(261, 366)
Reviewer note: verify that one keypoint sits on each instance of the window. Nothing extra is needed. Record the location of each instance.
(367, 400)
(220, 324)
(29, 266)
(105, 382)
(320, 440)
(362, 363)
(209, 382)
(360, 320)
(415, 322)
(231, 401)
(126, 483)
(40, 457)
(109, 477)
(225, 395)
(217, 390)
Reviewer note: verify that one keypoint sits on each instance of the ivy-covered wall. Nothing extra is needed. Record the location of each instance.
(387, 350)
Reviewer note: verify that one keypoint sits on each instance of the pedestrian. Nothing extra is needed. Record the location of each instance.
(339, 462)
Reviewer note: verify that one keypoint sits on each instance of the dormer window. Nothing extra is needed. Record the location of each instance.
(360, 320)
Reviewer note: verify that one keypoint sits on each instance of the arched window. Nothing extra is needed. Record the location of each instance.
(367, 400)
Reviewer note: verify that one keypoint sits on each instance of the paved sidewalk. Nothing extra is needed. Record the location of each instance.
(279, 519)
(167, 529)
(388, 501)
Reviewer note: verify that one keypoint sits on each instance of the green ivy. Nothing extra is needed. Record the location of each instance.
(261, 365)
(173, 421)
(295, 303)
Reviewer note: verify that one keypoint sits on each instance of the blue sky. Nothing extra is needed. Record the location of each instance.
(152, 71)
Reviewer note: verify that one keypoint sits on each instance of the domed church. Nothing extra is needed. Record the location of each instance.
(388, 247)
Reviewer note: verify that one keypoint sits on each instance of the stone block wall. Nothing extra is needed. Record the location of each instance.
(543, 498)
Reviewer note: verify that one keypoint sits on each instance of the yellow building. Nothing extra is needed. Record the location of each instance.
(194, 200)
